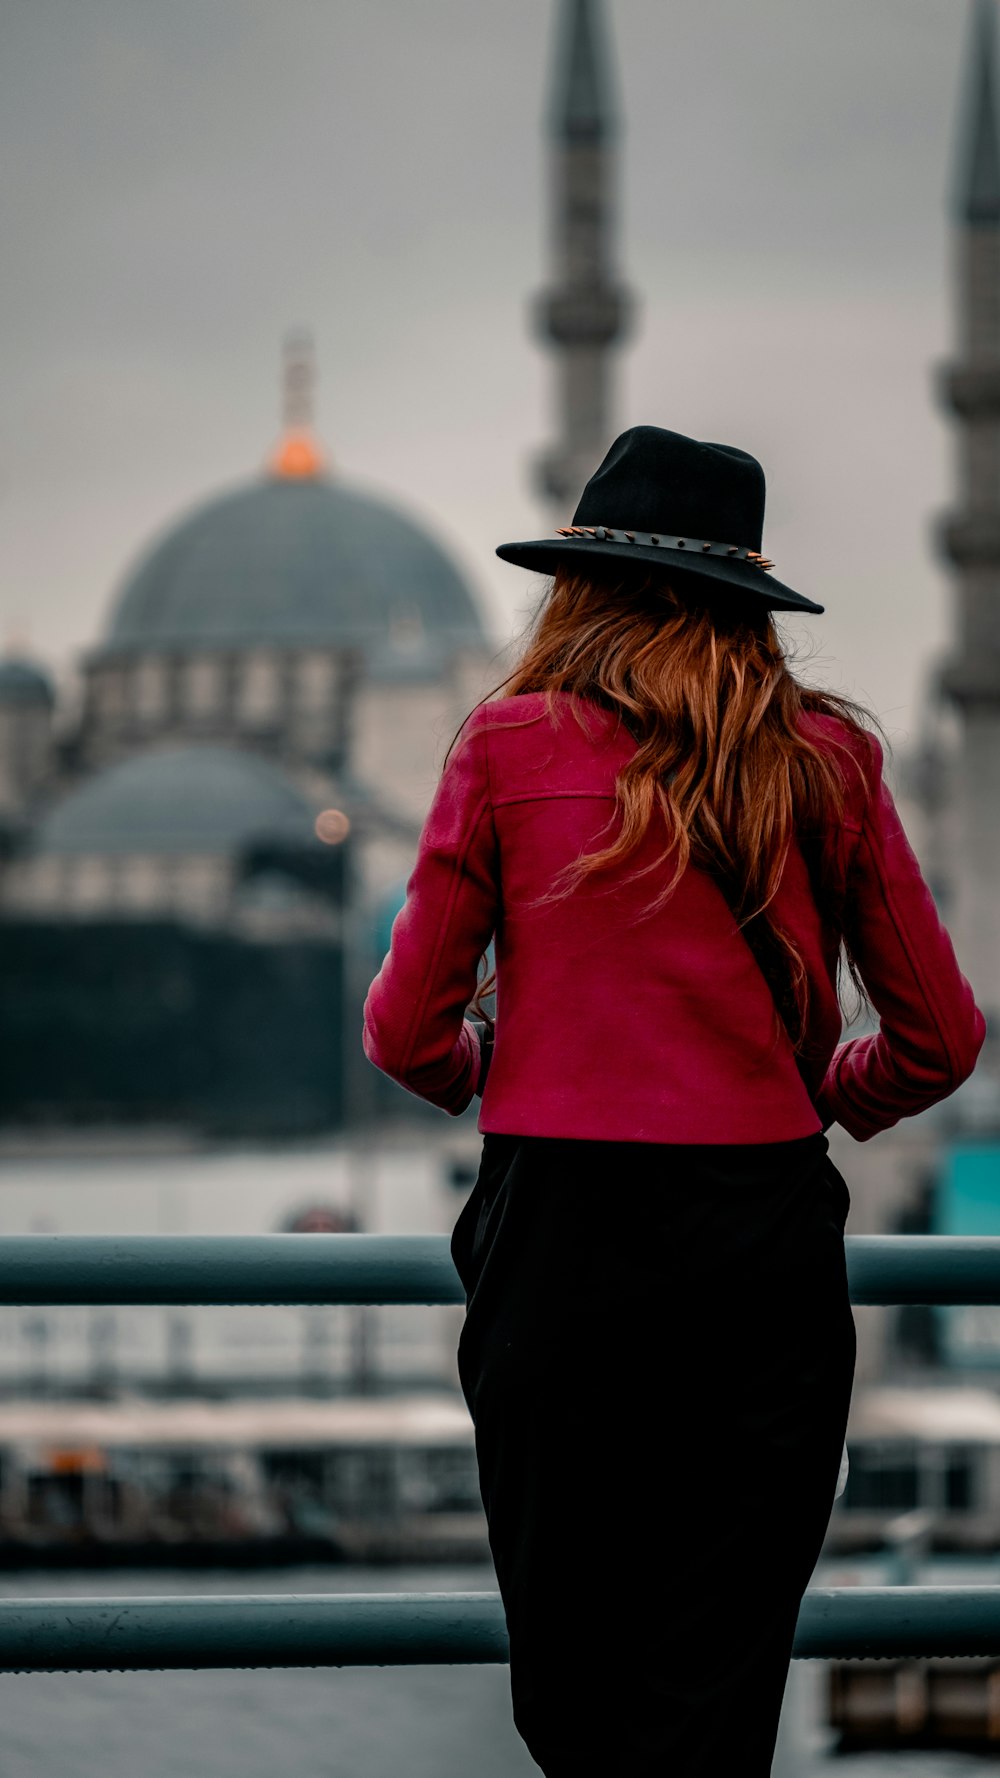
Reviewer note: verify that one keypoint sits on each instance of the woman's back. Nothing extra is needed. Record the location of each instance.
(621, 1021)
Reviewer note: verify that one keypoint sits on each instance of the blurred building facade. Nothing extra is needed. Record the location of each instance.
(970, 534)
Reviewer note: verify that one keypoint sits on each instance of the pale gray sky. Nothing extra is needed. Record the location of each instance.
(182, 183)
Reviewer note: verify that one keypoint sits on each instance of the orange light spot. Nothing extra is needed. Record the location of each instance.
(332, 826)
(297, 458)
(75, 1462)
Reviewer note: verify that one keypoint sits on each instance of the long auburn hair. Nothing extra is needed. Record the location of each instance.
(701, 679)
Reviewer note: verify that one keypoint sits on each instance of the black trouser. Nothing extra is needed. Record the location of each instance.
(658, 1356)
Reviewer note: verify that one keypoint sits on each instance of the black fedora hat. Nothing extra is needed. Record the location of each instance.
(671, 503)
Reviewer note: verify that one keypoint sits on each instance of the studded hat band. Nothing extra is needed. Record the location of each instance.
(603, 534)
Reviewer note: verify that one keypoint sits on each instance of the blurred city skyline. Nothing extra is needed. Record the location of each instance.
(185, 185)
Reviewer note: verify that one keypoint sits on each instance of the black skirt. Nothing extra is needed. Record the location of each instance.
(658, 1356)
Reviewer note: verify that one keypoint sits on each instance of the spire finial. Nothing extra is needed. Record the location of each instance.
(298, 456)
(978, 187)
(582, 108)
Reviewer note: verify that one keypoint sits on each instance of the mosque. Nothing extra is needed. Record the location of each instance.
(235, 802)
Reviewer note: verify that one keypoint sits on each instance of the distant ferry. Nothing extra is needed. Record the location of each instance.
(370, 1479)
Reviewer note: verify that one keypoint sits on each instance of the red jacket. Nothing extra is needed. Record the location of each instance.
(613, 1024)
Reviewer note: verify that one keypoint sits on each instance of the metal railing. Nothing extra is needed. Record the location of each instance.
(328, 1269)
(288, 1630)
(417, 1629)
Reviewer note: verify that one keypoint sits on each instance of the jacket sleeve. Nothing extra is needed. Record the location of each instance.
(931, 1029)
(415, 1028)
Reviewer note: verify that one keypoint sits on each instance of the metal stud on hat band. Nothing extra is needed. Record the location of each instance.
(604, 534)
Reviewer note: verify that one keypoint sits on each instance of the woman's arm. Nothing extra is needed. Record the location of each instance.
(415, 1028)
(931, 1028)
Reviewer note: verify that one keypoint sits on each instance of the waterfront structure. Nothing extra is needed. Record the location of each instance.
(284, 1479)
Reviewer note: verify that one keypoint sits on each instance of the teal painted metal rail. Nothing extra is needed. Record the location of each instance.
(923, 1268)
(275, 1630)
(261, 1269)
(416, 1629)
(227, 1269)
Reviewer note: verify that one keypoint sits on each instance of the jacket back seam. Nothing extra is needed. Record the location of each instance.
(917, 974)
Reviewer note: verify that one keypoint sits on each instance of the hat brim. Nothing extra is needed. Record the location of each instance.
(544, 554)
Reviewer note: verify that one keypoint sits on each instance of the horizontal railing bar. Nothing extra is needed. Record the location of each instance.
(416, 1629)
(924, 1268)
(224, 1269)
(250, 1630)
(890, 1623)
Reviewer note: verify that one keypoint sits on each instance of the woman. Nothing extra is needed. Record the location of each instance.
(672, 844)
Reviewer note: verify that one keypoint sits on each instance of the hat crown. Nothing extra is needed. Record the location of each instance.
(655, 480)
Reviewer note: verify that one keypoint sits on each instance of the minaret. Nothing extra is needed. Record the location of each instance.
(584, 313)
(970, 535)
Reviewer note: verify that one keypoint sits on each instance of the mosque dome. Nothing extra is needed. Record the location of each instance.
(296, 559)
(180, 800)
(293, 560)
(24, 682)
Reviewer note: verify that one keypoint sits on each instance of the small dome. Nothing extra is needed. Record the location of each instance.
(293, 560)
(23, 682)
(181, 800)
